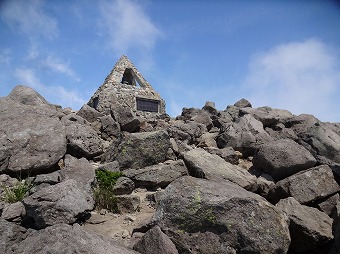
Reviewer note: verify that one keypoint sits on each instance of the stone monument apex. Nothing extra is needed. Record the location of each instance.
(126, 87)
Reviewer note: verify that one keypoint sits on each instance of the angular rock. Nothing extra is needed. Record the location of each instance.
(210, 107)
(282, 158)
(110, 166)
(128, 203)
(155, 242)
(207, 140)
(10, 234)
(109, 128)
(126, 118)
(123, 185)
(188, 131)
(89, 114)
(227, 153)
(82, 139)
(32, 138)
(233, 112)
(63, 238)
(155, 176)
(327, 206)
(202, 216)
(64, 202)
(244, 135)
(309, 228)
(139, 150)
(14, 212)
(51, 178)
(79, 170)
(306, 186)
(202, 164)
(264, 183)
(336, 245)
(243, 103)
(203, 118)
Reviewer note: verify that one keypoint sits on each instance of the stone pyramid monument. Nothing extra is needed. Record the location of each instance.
(126, 87)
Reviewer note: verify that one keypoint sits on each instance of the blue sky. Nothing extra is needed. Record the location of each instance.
(282, 54)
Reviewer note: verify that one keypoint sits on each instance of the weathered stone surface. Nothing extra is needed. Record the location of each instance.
(336, 245)
(160, 175)
(82, 139)
(32, 138)
(264, 183)
(227, 153)
(139, 150)
(62, 238)
(155, 242)
(207, 140)
(309, 228)
(243, 103)
(89, 114)
(267, 116)
(128, 203)
(51, 178)
(79, 170)
(202, 164)
(282, 158)
(109, 127)
(201, 216)
(188, 131)
(307, 186)
(123, 185)
(14, 212)
(64, 202)
(10, 234)
(126, 118)
(244, 135)
(110, 166)
(327, 206)
(210, 107)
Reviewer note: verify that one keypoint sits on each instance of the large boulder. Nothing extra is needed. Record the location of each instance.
(82, 139)
(64, 202)
(160, 175)
(202, 216)
(202, 164)
(155, 242)
(89, 114)
(126, 118)
(10, 234)
(244, 135)
(309, 228)
(306, 186)
(32, 138)
(243, 103)
(187, 131)
(139, 150)
(283, 158)
(62, 238)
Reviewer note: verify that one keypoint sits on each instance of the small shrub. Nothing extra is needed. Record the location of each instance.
(17, 192)
(103, 192)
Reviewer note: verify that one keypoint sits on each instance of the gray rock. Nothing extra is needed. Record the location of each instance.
(79, 170)
(244, 135)
(62, 238)
(32, 138)
(160, 175)
(202, 164)
(123, 185)
(126, 118)
(51, 178)
(233, 112)
(139, 150)
(89, 114)
(201, 216)
(309, 228)
(227, 153)
(203, 118)
(14, 212)
(155, 242)
(109, 128)
(128, 203)
(336, 245)
(282, 158)
(110, 166)
(188, 131)
(264, 183)
(307, 186)
(207, 140)
(243, 103)
(82, 139)
(210, 107)
(327, 206)
(64, 202)
(10, 234)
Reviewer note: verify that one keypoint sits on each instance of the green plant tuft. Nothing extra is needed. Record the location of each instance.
(103, 192)
(17, 192)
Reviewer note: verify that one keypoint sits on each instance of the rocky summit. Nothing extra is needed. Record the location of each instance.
(118, 177)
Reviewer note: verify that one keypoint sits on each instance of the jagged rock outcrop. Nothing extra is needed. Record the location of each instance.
(202, 216)
(32, 138)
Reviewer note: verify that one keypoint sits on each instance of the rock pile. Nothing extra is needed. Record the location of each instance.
(241, 180)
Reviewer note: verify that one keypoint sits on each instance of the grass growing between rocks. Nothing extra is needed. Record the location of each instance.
(17, 192)
(103, 192)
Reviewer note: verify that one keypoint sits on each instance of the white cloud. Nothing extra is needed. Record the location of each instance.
(126, 25)
(54, 94)
(29, 17)
(56, 64)
(303, 77)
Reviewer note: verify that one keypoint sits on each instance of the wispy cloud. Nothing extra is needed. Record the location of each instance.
(126, 25)
(303, 77)
(5, 56)
(29, 17)
(54, 94)
(56, 64)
